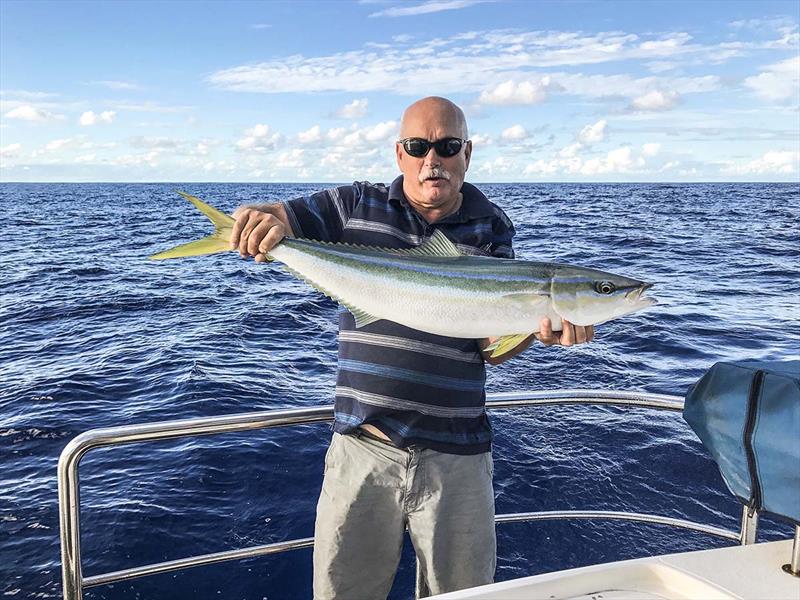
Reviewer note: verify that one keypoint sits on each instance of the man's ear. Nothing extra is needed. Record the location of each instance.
(467, 154)
(398, 151)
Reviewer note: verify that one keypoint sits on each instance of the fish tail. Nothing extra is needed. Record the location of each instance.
(219, 241)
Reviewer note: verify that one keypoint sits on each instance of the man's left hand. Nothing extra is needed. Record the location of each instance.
(568, 336)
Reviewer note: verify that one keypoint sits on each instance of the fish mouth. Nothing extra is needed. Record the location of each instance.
(637, 295)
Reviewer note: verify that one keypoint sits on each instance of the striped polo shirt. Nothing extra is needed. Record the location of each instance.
(418, 388)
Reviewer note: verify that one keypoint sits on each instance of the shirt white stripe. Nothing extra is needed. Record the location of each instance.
(391, 341)
(384, 228)
(333, 194)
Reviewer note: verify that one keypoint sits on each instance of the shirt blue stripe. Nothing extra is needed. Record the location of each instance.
(450, 383)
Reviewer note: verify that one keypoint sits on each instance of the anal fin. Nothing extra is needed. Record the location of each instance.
(506, 343)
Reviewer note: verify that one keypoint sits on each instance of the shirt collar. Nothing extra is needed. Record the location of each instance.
(474, 205)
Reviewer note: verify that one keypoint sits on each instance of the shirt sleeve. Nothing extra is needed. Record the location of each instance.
(502, 235)
(323, 215)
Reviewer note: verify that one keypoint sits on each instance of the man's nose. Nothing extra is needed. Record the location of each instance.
(432, 159)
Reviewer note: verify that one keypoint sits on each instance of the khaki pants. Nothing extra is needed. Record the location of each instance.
(373, 491)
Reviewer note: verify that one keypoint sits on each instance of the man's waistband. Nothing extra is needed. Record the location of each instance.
(361, 432)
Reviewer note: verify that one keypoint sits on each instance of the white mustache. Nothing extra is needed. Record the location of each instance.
(434, 173)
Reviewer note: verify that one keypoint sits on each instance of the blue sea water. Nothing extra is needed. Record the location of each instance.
(94, 335)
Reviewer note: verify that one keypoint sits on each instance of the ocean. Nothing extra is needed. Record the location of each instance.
(94, 335)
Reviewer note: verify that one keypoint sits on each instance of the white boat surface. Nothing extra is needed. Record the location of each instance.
(739, 572)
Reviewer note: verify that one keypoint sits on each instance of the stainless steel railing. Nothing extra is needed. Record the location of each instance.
(69, 484)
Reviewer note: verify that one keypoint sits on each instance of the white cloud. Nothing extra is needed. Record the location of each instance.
(478, 62)
(149, 159)
(260, 26)
(310, 136)
(542, 167)
(668, 45)
(571, 150)
(525, 92)
(335, 134)
(592, 134)
(355, 110)
(382, 132)
(57, 145)
(514, 133)
(10, 151)
(779, 81)
(660, 66)
(498, 166)
(655, 101)
(258, 139)
(425, 8)
(772, 163)
(651, 149)
(155, 143)
(86, 158)
(620, 160)
(31, 113)
(606, 86)
(291, 160)
(481, 140)
(92, 118)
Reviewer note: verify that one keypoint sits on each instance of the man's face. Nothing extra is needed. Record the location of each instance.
(432, 180)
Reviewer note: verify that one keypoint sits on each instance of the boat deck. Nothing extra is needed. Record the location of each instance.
(741, 572)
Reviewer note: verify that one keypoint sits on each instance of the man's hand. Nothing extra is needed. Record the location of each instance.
(568, 336)
(258, 229)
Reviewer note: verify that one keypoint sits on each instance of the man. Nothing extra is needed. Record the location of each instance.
(411, 442)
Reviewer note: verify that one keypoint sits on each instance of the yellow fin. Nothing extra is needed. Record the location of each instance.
(437, 245)
(219, 241)
(207, 245)
(506, 343)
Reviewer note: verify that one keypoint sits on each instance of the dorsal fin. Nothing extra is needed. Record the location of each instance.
(437, 245)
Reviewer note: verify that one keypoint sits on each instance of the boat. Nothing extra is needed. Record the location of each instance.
(745, 569)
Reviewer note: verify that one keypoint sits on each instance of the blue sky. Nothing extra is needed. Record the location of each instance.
(313, 91)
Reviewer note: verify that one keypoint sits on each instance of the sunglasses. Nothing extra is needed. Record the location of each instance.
(419, 147)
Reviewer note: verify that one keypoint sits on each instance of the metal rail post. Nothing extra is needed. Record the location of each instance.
(749, 530)
(793, 568)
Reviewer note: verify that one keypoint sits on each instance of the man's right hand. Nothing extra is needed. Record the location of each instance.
(258, 229)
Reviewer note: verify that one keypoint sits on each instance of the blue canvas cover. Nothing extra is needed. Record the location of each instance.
(747, 414)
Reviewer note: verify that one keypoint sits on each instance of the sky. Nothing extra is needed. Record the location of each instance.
(313, 91)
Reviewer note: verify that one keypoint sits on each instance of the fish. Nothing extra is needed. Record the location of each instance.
(436, 288)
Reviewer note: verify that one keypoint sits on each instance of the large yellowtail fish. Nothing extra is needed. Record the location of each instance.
(435, 288)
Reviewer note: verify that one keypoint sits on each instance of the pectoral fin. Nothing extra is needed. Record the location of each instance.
(362, 318)
(506, 344)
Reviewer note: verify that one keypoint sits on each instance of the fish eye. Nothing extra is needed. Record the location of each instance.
(604, 287)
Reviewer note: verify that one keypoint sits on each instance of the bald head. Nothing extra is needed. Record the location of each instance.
(434, 111)
(432, 182)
